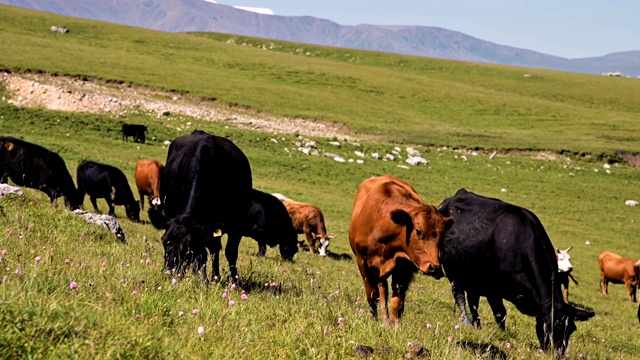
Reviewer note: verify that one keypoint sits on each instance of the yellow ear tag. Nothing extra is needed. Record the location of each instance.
(217, 233)
(9, 146)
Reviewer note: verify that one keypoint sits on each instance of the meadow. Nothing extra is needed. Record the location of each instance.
(124, 307)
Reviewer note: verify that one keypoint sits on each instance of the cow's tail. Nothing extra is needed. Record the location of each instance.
(158, 219)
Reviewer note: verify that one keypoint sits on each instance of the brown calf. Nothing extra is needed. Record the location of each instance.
(307, 219)
(393, 233)
(147, 176)
(618, 270)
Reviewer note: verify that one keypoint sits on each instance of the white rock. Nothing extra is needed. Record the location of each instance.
(417, 160)
(339, 159)
(360, 161)
(361, 154)
(503, 190)
(334, 143)
(403, 166)
(631, 203)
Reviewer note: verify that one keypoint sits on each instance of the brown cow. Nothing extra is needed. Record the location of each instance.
(618, 270)
(147, 176)
(393, 232)
(307, 219)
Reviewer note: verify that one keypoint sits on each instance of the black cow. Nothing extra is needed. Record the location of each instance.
(138, 132)
(109, 183)
(269, 223)
(206, 192)
(502, 251)
(35, 167)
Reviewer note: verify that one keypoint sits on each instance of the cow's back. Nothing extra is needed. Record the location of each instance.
(206, 178)
(147, 174)
(370, 208)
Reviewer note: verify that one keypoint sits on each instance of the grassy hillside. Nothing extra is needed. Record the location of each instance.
(395, 98)
(579, 203)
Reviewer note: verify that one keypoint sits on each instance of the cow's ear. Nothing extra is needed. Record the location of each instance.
(448, 223)
(400, 217)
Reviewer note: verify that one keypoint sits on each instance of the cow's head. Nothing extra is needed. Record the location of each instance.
(179, 244)
(323, 242)
(289, 246)
(425, 227)
(564, 263)
(563, 327)
(133, 211)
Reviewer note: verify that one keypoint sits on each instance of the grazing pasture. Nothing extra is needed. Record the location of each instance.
(69, 289)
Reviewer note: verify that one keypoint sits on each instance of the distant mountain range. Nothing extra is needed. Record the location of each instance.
(204, 16)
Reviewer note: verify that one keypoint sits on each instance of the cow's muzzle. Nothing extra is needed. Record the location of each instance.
(435, 271)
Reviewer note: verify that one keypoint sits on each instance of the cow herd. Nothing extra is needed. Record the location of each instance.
(486, 247)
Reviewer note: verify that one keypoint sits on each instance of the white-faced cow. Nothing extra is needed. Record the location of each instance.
(619, 270)
(147, 174)
(308, 219)
(205, 191)
(502, 251)
(102, 181)
(564, 270)
(268, 223)
(393, 233)
(35, 167)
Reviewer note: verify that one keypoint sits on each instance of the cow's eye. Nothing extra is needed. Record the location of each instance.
(434, 234)
(419, 234)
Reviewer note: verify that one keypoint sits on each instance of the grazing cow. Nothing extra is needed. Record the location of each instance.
(205, 191)
(564, 270)
(269, 224)
(147, 174)
(618, 270)
(502, 251)
(109, 183)
(393, 233)
(35, 167)
(138, 132)
(308, 220)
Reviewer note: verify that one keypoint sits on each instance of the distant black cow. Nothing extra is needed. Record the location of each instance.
(269, 223)
(205, 192)
(502, 251)
(109, 183)
(35, 167)
(138, 132)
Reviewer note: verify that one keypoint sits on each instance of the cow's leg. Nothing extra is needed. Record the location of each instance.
(399, 284)
(311, 240)
(473, 299)
(94, 202)
(231, 253)
(631, 290)
(543, 328)
(112, 209)
(458, 295)
(262, 249)
(499, 311)
(383, 290)
(141, 194)
(214, 251)
(603, 284)
(370, 280)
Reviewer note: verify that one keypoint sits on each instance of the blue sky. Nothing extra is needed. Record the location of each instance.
(566, 28)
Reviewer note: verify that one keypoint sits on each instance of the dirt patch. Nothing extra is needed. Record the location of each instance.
(117, 99)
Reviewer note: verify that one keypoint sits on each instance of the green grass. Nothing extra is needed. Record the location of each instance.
(394, 98)
(466, 105)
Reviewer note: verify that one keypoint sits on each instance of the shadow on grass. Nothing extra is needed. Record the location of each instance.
(483, 350)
